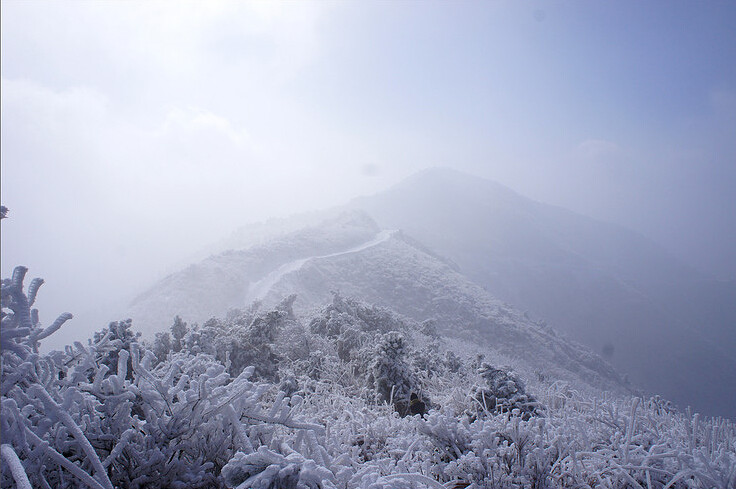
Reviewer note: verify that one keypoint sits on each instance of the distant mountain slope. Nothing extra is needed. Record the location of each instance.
(352, 255)
(212, 286)
(396, 274)
(670, 328)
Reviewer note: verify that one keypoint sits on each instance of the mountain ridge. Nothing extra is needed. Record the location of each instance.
(599, 284)
(387, 269)
(603, 285)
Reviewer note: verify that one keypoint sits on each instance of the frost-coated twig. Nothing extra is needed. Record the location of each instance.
(64, 462)
(16, 467)
(630, 430)
(288, 423)
(119, 447)
(75, 431)
(36, 283)
(409, 450)
(239, 431)
(679, 476)
(49, 330)
(418, 478)
(21, 308)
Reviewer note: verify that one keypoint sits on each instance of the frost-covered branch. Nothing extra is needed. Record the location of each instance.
(16, 467)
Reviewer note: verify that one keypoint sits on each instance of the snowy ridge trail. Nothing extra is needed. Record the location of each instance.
(258, 290)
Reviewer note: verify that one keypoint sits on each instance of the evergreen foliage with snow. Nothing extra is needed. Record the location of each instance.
(503, 392)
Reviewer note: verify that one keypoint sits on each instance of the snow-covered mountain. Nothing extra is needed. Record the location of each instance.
(450, 246)
(671, 329)
(222, 281)
(342, 353)
(350, 254)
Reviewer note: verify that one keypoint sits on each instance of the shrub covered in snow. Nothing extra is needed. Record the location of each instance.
(189, 412)
(241, 339)
(502, 392)
(388, 373)
(72, 419)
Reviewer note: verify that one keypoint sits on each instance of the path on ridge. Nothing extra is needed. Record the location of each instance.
(258, 290)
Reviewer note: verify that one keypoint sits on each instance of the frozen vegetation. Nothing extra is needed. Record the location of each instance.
(268, 398)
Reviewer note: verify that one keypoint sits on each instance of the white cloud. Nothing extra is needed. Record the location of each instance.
(187, 123)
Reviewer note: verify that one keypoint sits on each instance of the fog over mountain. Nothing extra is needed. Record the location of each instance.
(325, 244)
(454, 246)
(670, 328)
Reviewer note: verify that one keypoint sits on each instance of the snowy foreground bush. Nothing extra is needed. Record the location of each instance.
(261, 400)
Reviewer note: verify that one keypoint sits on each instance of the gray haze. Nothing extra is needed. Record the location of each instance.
(134, 134)
(480, 257)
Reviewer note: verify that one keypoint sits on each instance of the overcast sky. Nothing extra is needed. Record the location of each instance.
(135, 133)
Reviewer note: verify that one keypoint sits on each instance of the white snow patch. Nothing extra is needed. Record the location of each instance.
(258, 290)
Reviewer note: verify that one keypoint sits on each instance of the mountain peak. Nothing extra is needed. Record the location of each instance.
(441, 181)
(606, 286)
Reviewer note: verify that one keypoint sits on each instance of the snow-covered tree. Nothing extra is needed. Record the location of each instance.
(503, 392)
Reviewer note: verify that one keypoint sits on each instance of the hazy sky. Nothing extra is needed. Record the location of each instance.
(135, 133)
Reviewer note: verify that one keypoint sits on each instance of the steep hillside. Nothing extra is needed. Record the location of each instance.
(219, 282)
(350, 254)
(672, 330)
(398, 275)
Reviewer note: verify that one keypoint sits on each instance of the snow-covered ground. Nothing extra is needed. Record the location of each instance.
(258, 290)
